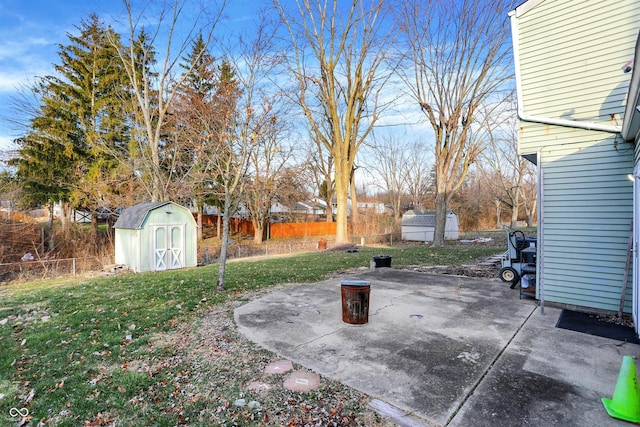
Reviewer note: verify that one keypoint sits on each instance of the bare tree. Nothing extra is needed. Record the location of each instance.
(250, 127)
(337, 57)
(320, 165)
(389, 164)
(230, 138)
(509, 175)
(267, 164)
(505, 175)
(418, 174)
(529, 194)
(10, 190)
(266, 112)
(294, 185)
(154, 85)
(457, 57)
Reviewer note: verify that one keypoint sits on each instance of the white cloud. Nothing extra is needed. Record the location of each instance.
(9, 82)
(15, 50)
(6, 143)
(21, 61)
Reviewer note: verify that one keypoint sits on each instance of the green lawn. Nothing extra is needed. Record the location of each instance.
(98, 351)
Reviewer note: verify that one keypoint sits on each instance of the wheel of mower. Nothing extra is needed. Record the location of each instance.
(509, 275)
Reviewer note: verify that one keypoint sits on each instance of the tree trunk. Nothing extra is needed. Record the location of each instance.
(530, 212)
(342, 187)
(50, 226)
(440, 220)
(397, 205)
(514, 217)
(65, 217)
(94, 226)
(515, 209)
(355, 214)
(225, 243)
(111, 220)
(258, 233)
(219, 222)
(199, 220)
(329, 202)
(51, 242)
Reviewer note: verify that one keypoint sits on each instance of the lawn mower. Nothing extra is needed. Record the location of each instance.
(519, 260)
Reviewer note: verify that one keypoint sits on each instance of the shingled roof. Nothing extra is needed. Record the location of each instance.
(133, 217)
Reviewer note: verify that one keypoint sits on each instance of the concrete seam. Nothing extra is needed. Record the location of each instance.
(489, 368)
(318, 338)
(382, 308)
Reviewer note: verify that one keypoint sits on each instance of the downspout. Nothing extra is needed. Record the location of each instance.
(540, 240)
(630, 125)
(541, 119)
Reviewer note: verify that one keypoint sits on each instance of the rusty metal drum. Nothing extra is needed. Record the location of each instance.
(355, 301)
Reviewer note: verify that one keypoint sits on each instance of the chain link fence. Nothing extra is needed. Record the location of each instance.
(211, 254)
(52, 268)
(47, 269)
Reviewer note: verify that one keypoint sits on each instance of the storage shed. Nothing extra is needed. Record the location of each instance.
(420, 226)
(156, 236)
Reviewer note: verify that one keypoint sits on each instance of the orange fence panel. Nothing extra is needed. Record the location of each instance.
(279, 230)
(284, 230)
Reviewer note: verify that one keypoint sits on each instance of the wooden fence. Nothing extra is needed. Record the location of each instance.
(236, 225)
(278, 230)
(285, 230)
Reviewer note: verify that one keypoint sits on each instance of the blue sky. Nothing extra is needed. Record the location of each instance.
(31, 30)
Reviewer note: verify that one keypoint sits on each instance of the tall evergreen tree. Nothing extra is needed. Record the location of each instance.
(63, 157)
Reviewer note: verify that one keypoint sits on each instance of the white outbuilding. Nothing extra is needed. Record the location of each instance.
(420, 226)
(156, 236)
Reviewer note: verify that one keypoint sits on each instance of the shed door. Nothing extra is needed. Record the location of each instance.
(168, 246)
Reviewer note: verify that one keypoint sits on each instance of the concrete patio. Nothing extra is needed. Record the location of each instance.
(444, 350)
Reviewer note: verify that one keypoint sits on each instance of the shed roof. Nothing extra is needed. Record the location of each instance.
(421, 218)
(133, 217)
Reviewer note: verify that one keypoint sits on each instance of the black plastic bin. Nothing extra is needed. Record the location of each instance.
(382, 261)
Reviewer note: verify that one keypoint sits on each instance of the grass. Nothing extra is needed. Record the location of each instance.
(128, 349)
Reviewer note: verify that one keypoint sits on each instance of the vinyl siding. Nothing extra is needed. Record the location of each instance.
(587, 211)
(571, 54)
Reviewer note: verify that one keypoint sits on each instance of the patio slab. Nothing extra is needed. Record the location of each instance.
(448, 350)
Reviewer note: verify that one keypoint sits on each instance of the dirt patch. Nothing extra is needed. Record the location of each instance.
(227, 371)
(482, 271)
(343, 248)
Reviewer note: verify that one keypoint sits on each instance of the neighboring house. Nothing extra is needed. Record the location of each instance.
(156, 236)
(572, 62)
(420, 226)
(308, 208)
(373, 206)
